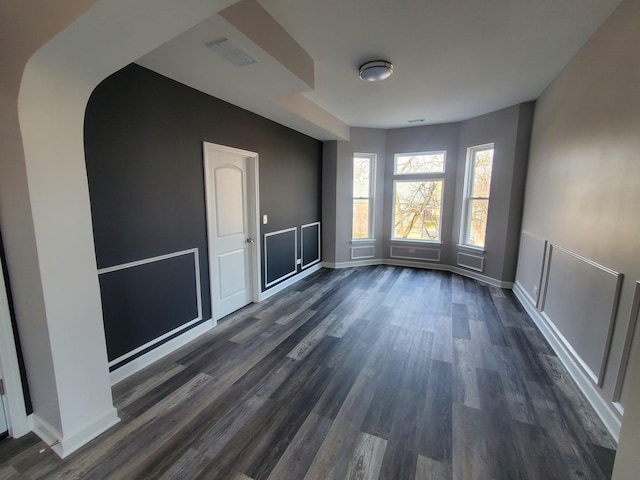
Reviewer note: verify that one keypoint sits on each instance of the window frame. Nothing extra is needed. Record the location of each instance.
(467, 198)
(418, 177)
(371, 198)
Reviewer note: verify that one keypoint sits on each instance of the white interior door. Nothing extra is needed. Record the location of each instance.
(229, 226)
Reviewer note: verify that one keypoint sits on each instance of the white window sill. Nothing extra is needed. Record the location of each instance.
(363, 241)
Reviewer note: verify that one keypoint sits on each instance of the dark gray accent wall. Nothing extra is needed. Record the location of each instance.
(143, 144)
(278, 258)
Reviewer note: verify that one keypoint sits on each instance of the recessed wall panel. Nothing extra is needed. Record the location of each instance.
(280, 255)
(530, 263)
(143, 302)
(580, 300)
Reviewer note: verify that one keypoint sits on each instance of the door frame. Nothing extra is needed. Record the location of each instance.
(253, 212)
(14, 405)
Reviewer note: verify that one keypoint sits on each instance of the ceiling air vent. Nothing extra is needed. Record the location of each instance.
(231, 52)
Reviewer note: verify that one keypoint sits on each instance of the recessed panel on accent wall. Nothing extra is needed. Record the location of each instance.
(280, 250)
(310, 244)
(143, 302)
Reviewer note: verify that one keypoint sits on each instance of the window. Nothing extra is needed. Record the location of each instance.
(417, 195)
(363, 182)
(476, 195)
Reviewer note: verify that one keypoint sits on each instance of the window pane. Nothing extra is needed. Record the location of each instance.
(420, 163)
(417, 207)
(361, 172)
(482, 163)
(478, 210)
(360, 218)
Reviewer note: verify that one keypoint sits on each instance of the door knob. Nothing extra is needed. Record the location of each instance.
(249, 240)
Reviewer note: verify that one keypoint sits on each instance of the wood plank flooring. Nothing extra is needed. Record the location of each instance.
(368, 373)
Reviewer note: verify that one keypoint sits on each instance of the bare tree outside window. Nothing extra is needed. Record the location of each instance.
(418, 185)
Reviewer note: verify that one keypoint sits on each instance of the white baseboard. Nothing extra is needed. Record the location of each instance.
(426, 265)
(157, 353)
(288, 282)
(353, 263)
(605, 409)
(64, 446)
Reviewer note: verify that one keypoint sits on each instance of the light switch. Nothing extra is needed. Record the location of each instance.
(265, 220)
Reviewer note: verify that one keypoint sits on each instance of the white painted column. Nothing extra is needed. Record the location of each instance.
(62, 331)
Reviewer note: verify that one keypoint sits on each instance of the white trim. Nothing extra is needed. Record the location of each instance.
(253, 177)
(471, 267)
(64, 446)
(606, 410)
(302, 264)
(361, 242)
(425, 265)
(598, 378)
(196, 260)
(626, 349)
(471, 248)
(618, 406)
(295, 256)
(368, 248)
(469, 171)
(152, 342)
(162, 351)
(14, 402)
(415, 154)
(287, 283)
(373, 168)
(354, 263)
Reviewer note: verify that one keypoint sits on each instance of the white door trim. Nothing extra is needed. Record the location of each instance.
(253, 211)
(14, 405)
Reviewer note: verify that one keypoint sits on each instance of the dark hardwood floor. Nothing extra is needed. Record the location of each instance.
(375, 372)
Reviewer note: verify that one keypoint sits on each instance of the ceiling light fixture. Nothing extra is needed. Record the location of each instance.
(375, 70)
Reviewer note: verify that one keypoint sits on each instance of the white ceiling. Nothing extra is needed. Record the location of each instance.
(453, 59)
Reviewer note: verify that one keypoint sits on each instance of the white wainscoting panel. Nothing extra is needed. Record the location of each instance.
(286, 253)
(310, 251)
(606, 410)
(408, 252)
(197, 297)
(580, 300)
(359, 252)
(531, 265)
(471, 261)
(626, 349)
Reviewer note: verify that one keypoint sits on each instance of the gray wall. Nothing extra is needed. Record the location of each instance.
(583, 198)
(424, 139)
(329, 205)
(509, 129)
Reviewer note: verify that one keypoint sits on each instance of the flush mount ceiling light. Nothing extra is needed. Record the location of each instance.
(375, 70)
